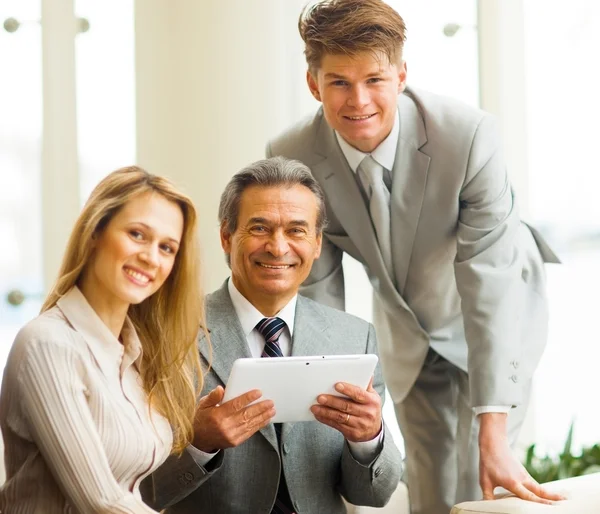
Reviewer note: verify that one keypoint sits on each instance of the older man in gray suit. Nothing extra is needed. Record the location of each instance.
(272, 215)
(417, 191)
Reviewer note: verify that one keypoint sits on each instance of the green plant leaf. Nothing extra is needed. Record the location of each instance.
(565, 465)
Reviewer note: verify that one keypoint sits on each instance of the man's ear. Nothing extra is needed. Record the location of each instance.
(319, 245)
(225, 236)
(313, 85)
(402, 70)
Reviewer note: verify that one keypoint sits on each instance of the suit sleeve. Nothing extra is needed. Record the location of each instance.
(53, 396)
(488, 267)
(325, 283)
(178, 477)
(372, 484)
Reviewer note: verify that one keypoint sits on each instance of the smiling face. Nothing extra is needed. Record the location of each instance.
(359, 95)
(274, 245)
(134, 254)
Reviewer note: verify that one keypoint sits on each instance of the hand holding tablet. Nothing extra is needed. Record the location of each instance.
(295, 383)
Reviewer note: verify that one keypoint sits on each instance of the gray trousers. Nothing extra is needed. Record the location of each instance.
(440, 434)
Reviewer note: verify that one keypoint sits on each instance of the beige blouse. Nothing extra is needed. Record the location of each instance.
(78, 433)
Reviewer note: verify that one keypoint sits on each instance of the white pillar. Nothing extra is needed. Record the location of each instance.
(215, 80)
(60, 174)
(503, 83)
(503, 90)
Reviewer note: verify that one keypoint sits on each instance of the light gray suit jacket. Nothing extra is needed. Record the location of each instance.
(318, 465)
(468, 274)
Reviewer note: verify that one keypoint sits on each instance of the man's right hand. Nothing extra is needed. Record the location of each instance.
(218, 426)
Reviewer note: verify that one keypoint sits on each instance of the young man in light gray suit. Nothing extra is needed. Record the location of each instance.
(272, 215)
(417, 190)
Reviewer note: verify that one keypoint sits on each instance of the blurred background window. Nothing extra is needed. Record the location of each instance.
(562, 38)
(203, 74)
(105, 127)
(20, 165)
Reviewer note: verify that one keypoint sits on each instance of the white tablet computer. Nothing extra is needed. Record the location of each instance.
(294, 383)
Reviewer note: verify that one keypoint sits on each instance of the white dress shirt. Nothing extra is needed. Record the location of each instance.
(250, 316)
(385, 155)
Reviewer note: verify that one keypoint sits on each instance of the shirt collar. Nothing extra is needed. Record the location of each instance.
(106, 348)
(249, 315)
(384, 154)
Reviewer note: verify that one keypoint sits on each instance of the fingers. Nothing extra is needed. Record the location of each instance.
(541, 492)
(211, 399)
(355, 393)
(370, 386)
(528, 490)
(362, 427)
(257, 416)
(525, 494)
(356, 400)
(258, 412)
(240, 402)
(487, 487)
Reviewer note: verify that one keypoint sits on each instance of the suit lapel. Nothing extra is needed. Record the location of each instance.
(346, 201)
(226, 336)
(228, 342)
(409, 178)
(311, 330)
(311, 337)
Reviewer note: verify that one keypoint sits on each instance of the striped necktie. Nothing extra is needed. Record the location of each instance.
(271, 329)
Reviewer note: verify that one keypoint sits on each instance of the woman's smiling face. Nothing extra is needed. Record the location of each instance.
(135, 253)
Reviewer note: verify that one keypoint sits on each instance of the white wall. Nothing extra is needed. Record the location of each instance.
(205, 109)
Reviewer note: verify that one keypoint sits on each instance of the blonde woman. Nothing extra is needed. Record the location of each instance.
(101, 387)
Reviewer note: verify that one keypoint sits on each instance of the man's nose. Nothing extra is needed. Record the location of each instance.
(277, 244)
(359, 97)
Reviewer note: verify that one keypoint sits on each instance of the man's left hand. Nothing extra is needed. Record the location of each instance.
(498, 467)
(357, 415)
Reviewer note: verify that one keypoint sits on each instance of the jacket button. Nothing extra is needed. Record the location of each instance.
(514, 378)
(377, 472)
(188, 476)
(515, 364)
(286, 448)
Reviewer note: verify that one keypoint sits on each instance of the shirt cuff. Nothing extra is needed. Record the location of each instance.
(366, 451)
(201, 458)
(505, 409)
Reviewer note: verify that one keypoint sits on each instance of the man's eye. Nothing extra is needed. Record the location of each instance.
(374, 80)
(258, 228)
(339, 83)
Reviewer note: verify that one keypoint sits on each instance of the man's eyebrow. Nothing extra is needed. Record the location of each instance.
(150, 229)
(258, 219)
(265, 221)
(299, 223)
(333, 75)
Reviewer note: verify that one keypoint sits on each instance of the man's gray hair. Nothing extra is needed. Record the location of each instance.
(273, 172)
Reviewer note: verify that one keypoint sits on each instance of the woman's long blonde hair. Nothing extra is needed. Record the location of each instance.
(168, 321)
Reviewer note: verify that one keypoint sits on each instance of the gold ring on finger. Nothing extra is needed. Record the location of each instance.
(347, 418)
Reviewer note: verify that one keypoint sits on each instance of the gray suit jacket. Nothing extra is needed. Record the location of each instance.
(317, 462)
(468, 274)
